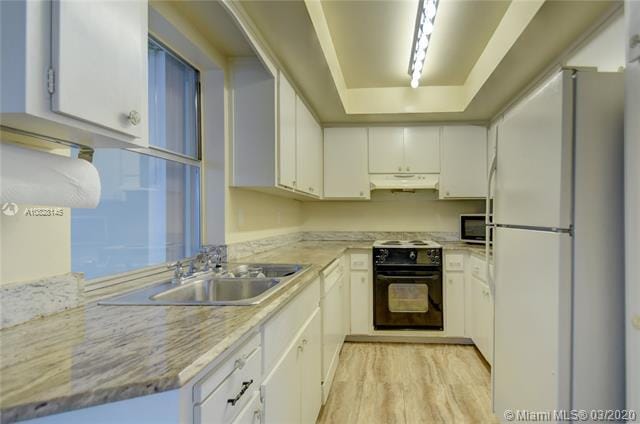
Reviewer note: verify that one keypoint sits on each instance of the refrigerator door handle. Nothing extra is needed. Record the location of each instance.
(489, 226)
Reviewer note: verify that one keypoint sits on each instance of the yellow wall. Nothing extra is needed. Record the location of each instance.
(253, 215)
(33, 247)
(389, 212)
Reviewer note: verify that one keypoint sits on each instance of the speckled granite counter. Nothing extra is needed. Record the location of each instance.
(98, 354)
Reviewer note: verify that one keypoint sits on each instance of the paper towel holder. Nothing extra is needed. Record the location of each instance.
(84, 152)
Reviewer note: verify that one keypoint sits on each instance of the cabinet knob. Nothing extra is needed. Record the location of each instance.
(400, 168)
(362, 194)
(134, 117)
(311, 189)
(448, 193)
(634, 41)
(304, 342)
(294, 183)
(408, 168)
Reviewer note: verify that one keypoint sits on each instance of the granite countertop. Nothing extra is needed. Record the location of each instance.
(97, 354)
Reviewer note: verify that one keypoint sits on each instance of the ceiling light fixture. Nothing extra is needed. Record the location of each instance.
(427, 11)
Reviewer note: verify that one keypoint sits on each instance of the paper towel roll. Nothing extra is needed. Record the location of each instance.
(45, 179)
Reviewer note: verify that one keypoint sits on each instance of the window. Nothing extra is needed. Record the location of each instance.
(149, 212)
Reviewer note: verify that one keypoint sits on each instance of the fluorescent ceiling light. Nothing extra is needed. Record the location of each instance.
(427, 11)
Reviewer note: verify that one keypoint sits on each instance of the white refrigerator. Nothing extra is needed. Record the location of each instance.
(632, 202)
(558, 251)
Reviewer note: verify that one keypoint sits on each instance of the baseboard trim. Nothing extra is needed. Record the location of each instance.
(408, 339)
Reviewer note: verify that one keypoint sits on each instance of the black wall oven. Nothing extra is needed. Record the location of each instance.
(408, 288)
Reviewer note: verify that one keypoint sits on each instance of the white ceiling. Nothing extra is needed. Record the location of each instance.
(288, 29)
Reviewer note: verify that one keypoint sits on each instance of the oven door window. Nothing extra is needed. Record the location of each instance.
(408, 298)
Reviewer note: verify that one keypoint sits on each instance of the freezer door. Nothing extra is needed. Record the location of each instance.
(532, 339)
(534, 172)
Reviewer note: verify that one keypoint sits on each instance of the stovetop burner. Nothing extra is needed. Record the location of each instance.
(407, 244)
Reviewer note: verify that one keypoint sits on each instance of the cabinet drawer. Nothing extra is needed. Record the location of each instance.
(478, 268)
(359, 262)
(237, 360)
(333, 274)
(454, 261)
(235, 391)
(281, 329)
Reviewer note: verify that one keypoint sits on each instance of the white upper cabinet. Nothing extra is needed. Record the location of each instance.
(76, 70)
(345, 164)
(100, 74)
(422, 150)
(463, 172)
(309, 151)
(410, 150)
(386, 150)
(287, 122)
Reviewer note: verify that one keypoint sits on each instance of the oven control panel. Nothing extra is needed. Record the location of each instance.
(404, 256)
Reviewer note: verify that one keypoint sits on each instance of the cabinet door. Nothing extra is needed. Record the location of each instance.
(464, 163)
(361, 307)
(317, 159)
(476, 310)
(282, 389)
(345, 163)
(422, 150)
(455, 307)
(632, 12)
(101, 75)
(310, 371)
(386, 150)
(346, 307)
(251, 413)
(309, 158)
(492, 144)
(287, 140)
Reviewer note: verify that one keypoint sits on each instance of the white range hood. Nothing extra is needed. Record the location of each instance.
(406, 182)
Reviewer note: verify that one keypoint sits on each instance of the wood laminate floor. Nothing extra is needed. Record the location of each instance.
(390, 383)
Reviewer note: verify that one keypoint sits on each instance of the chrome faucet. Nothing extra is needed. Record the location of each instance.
(179, 274)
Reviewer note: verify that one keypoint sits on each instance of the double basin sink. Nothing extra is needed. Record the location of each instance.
(231, 284)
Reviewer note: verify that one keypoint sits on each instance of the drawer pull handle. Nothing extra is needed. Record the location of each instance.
(245, 386)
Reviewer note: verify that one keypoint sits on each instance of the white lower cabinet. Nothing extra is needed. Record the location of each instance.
(332, 322)
(360, 296)
(292, 390)
(454, 304)
(480, 308)
(252, 413)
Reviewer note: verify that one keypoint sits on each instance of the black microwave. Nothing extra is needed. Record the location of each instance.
(472, 228)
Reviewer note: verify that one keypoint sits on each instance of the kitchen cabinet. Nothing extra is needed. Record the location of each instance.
(89, 90)
(454, 304)
(422, 150)
(463, 173)
(309, 163)
(394, 150)
(287, 139)
(492, 145)
(252, 413)
(346, 175)
(277, 143)
(292, 391)
(361, 306)
(481, 308)
(386, 150)
(332, 322)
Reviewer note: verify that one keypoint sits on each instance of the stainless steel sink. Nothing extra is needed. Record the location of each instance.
(231, 284)
(219, 290)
